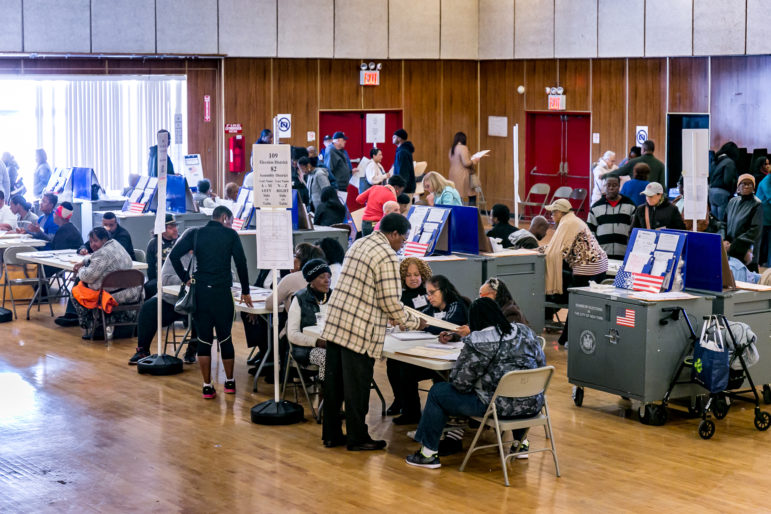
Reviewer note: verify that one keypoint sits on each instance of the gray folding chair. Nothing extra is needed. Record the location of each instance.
(517, 384)
(121, 279)
(140, 255)
(577, 199)
(561, 192)
(12, 262)
(310, 368)
(540, 189)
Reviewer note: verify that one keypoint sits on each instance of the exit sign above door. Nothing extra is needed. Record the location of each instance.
(369, 78)
(556, 102)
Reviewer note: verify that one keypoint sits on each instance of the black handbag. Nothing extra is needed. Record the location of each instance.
(185, 303)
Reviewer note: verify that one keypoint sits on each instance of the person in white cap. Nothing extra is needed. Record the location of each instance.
(657, 211)
(574, 245)
(67, 237)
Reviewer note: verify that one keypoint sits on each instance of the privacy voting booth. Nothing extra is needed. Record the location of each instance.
(73, 183)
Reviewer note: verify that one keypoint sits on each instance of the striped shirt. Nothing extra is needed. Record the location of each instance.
(611, 224)
(366, 297)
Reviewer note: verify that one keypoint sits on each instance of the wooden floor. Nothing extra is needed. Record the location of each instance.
(81, 431)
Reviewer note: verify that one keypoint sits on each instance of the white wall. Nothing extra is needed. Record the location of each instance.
(382, 29)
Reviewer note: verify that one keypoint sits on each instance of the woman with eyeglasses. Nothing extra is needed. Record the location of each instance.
(445, 303)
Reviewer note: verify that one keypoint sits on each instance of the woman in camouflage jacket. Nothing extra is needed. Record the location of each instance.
(493, 348)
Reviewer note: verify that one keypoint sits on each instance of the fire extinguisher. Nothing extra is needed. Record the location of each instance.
(236, 146)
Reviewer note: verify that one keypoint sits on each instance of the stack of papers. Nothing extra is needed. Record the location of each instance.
(662, 297)
(413, 335)
(432, 353)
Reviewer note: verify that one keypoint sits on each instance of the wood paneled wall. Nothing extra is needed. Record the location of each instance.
(437, 99)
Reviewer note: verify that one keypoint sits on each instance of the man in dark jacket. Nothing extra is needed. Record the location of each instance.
(657, 167)
(337, 163)
(722, 179)
(657, 211)
(168, 238)
(67, 237)
(744, 218)
(120, 234)
(404, 163)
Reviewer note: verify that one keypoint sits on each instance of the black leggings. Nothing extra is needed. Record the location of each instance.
(214, 311)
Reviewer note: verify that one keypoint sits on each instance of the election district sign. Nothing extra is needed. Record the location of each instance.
(641, 134)
(272, 176)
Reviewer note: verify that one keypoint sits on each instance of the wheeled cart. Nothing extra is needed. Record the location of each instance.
(629, 347)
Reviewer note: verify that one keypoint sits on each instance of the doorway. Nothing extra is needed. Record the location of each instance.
(676, 123)
(558, 153)
(353, 123)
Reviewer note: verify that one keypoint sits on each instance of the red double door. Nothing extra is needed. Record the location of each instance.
(558, 152)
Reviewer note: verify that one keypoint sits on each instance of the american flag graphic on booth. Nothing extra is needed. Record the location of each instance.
(238, 223)
(625, 317)
(415, 249)
(136, 207)
(639, 282)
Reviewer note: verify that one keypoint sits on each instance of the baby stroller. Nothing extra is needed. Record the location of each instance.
(728, 386)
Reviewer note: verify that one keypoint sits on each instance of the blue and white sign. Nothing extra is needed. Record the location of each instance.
(641, 134)
(284, 125)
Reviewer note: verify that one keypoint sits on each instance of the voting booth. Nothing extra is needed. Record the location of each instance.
(523, 272)
(143, 197)
(73, 183)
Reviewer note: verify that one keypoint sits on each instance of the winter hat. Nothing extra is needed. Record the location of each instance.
(315, 267)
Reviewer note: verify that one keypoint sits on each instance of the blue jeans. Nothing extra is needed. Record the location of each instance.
(718, 201)
(445, 401)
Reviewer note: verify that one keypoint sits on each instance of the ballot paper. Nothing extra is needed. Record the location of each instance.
(667, 242)
(431, 353)
(432, 321)
(480, 154)
(445, 346)
(412, 335)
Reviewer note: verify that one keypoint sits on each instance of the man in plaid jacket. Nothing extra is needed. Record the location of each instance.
(366, 298)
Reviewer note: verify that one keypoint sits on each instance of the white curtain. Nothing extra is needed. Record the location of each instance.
(106, 123)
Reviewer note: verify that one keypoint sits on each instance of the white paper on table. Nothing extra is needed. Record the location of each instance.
(445, 346)
(480, 154)
(435, 215)
(412, 335)
(669, 295)
(667, 242)
(636, 262)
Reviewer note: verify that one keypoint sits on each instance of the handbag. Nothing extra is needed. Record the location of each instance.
(711, 357)
(185, 303)
(474, 183)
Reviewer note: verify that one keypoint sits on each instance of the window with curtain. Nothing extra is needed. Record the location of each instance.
(107, 123)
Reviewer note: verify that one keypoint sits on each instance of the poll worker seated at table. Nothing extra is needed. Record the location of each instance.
(493, 348)
(744, 216)
(414, 273)
(375, 198)
(45, 228)
(494, 289)
(440, 190)
(255, 328)
(388, 208)
(306, 304)
(573, 257)
(334, 254)
(23, 211)
(118, 233)
(610, 219)
(8, 220)
(215, 246)
(529, 239)
(331, 211)
(633, 188)
(205, 197)
(657, 211)
(168, 238)
(501, 226)
(445, 303)
(147, 322)
(739, 256)
(405, 202)
(68, 236)
(108, 256)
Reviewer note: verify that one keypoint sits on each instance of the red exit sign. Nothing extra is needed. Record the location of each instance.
(369, 78)
(556, 102)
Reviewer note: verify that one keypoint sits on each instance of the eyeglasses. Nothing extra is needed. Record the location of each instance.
(431, 292)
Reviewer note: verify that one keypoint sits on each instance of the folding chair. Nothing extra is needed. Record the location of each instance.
(578, 195)
(140, 255)
(177, 342)
(517, 384)
(121, 279)
(539, 189)
(300, 369)
(10, 259)
(561, 192)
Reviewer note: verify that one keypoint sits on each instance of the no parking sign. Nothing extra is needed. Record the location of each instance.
(641, 134)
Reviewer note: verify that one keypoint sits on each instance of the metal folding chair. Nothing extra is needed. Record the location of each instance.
(540, 189)
(292, 362)
(578, 196)
(121, 279)
(517, 384)
(561, 192)
(38, 281)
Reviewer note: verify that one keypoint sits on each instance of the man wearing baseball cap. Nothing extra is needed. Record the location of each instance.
(67, 237)
(657, 211)
(336, 160)
(744, 218)
(403, 162)
(168, 238)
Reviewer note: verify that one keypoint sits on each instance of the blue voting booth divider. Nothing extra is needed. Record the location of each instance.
(464, 229)
(81, 183)
(176, 189)
(703, 268)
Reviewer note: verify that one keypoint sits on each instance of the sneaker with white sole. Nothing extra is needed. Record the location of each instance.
(421, 461)
(525, 446)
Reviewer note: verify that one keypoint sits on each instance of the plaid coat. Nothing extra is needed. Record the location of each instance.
(366, 297)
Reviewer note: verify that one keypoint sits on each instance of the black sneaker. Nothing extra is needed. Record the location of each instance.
(525, 446)
(230, 387)
(209, 392)
(421, 461)
(190, 359)
(67, 321)
(141, 354)
(450, 446)
(394, 410)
